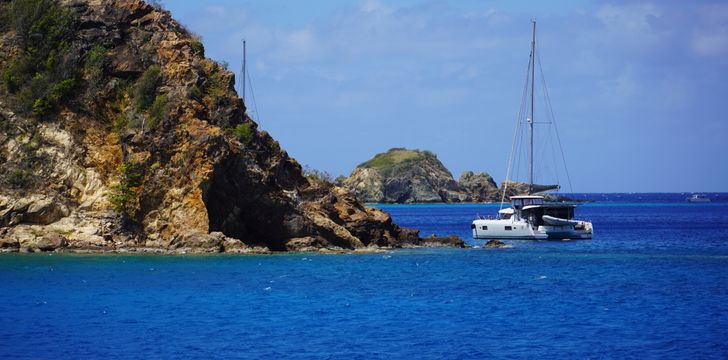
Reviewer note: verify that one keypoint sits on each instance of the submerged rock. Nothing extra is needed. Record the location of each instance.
(495, 244)
(444, 241)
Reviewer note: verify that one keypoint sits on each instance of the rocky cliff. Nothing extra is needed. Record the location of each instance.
(480, 187)
(118, 134)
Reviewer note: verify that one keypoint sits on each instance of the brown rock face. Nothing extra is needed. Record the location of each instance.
(481, 186)
(404, 176)
(152, 150)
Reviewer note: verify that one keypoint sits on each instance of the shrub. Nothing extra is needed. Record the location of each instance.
(10, 79)
(215, 88)
(339, 181)
(44, 72)
(121, 198)
(430, 154)
(44, 104)
(146, 87)
(196, 44)
(244, 132)
(131, 173)
(41, 24)
(158, 111)
(34, 143)
(20, 178)
(120, 123)
(61, 89)
(124, 195)
(194, 93)
(94, 63)
(41, 107)
(5, 19)
(318, 175)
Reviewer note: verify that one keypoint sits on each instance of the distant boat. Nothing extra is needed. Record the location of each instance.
(698, 198)
(530, 217)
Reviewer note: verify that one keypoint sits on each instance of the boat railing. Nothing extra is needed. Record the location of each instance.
(488, 217)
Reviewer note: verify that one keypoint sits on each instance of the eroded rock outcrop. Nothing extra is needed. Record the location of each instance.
(404, 176)
(480, 187)
(117, 134)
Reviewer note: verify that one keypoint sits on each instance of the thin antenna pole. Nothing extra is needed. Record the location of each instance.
(531, 120)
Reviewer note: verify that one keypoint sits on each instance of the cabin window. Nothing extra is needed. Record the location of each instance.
(485, 227)
(508, 228)
(472, 226)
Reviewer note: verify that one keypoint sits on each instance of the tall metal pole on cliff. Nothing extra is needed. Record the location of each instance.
(243, 72)
(530, 122)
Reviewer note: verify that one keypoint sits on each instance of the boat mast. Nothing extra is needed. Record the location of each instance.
(530, 120)
(242, 90)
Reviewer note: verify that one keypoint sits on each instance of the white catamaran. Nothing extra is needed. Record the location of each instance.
(530, 217)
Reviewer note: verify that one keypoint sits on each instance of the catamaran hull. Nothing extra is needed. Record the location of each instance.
(566, 233)
(486, 229)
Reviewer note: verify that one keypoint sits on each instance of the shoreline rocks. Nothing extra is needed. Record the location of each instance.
(151, 149)
(495, 244)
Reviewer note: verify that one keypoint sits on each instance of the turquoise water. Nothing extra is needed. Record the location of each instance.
(652, 284)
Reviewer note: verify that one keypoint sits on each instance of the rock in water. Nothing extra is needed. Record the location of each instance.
(495, 244)
(444, 241)
(404, 176)
(117, 132)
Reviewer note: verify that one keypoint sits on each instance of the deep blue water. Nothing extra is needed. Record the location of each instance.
(652, 284)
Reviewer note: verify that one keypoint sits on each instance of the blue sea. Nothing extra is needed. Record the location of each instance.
(652, 284)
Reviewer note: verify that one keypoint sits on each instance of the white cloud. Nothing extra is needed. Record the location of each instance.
(710, 43)
(374, 6)
(629, 18)
(711, 36)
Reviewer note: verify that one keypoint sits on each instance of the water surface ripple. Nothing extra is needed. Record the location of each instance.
(652, 284)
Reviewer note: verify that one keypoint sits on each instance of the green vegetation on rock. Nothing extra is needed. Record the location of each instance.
(318, 175)
(20, 178)
(114, 69)
(124, 195)
(146, 87)
(396, 156)
(196, 44)
(94, 64)
(44, 73)
(158, 111)
(244, 132)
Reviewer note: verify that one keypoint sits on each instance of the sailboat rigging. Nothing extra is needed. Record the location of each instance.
(245, 83)
(530, 217)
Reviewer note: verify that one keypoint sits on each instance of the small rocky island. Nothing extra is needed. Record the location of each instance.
(412, 176)
(117, 134)
(406, 176)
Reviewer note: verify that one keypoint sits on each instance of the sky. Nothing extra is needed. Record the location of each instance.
(638, 88)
